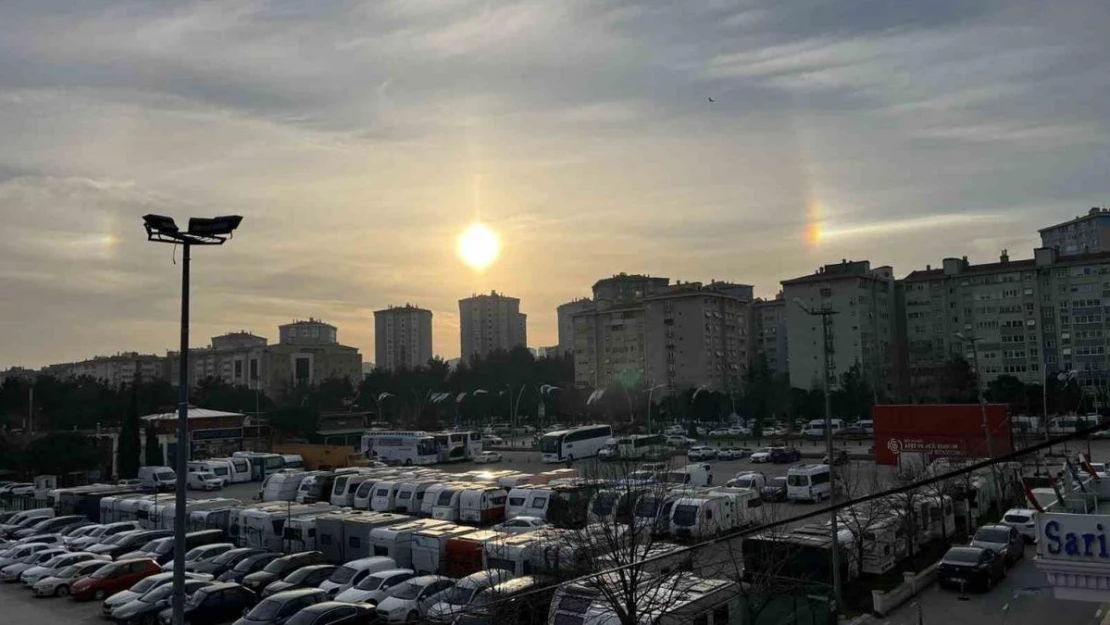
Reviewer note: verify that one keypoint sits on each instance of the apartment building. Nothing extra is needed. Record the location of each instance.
(696, 335)
(402, 337)
(861, 330)
(609, 345)
(566, 313)
(1086, 234)
(769, 335)
(491, 322)
(623, 288)
(116, 370)
(1029, 318)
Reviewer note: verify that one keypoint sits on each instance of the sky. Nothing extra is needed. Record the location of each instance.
(358, 139)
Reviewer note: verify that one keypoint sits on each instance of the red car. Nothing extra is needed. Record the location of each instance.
(113, 578)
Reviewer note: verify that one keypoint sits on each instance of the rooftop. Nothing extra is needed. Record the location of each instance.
(193, 413)
(1091, 214)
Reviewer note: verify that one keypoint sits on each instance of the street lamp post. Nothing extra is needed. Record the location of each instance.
(974, 340)
(202, 231)
(826, 317)
(650, 391)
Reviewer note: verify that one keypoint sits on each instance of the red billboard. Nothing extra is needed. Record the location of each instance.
(939, 430)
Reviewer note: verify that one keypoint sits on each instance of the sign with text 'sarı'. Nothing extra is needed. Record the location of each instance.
(1073, 537)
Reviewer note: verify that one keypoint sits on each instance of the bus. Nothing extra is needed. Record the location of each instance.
(407, 448)
(575, 443)
(635, 447)
(458, 446)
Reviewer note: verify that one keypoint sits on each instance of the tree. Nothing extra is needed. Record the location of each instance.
(958, 382)
(60, 453)
(154, 455)
(294, 421)
(1007, 389)
(853, 396)
(127, 459)
(856, 480)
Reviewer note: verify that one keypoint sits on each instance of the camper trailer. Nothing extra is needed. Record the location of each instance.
(167, 515)
(385, 496)
(514, 553)
(395, 541)
(429, 547)
(316, 486)
(356, 532)
(703, 516)
(410, 496)
(446, 506)
(483, 505)
(282, 486)
(264, 527)
(465, 553)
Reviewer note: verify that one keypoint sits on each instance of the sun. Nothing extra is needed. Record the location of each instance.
(478, 246)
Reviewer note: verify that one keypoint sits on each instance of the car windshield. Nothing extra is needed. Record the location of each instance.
(298, 576)
(797, 480)
(342, 575)
(459, 596)
(108, 571)
(992, 535)
(778, 482)
(1016, 518)
(246, 565)
(163, 547)
(685, 515)
(68, 572)
(159, 593)
(370, 583)
(266, 610)
(647, 507)
(408, 591)
(165, 476)
(226, 557)
(150, 546)
(962, 556)
(277, 566)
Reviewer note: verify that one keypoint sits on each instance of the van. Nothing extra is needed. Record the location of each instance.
(161, 479)
(693, 474)
(816, 427)
(809, 482)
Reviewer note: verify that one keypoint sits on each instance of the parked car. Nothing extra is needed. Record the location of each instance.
(775, 490)
(32, 575)
(204, 480)
(963, 567)
(739, 430)
(215, 603)
(488, 456)
(279, 568)
(279, 608)
(761, 455)
(309, 576)
(520, 525)
(113, 578)
(732, 453)
(333, 613)
(678, 440)
(144, 586)
(701, 452)
(223, 562)
(12, 572)
(203, 553)
(720, 432)
(785, 455)
(1004, 540)
(355, 571)
(247, 566)
(145, 609)
(58, 584)
(457, 600)
(376, 586)
(130, 541)
(412, 599)
(17, 554)
(1024, 521)
(102, 534)
(493, 440)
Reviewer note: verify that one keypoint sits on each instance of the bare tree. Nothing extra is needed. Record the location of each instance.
(862, 519)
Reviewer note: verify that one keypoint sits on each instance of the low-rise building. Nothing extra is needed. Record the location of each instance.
(117, 370)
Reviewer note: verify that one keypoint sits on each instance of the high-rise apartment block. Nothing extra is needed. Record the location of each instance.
(489, 323)
(609, 334)
(402, 337)
(695, 335)
(769, 335)
(565, 314)
(115, 371)
(1088, 234)
(861, 331)
(626, 288)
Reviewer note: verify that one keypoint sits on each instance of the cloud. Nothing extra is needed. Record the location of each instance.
(358, 139)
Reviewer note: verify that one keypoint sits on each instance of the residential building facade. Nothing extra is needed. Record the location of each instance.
(566, 313)
(117, 370)
(623, 288)
(1087, 234)
(695, 336)
(402, 337)
(769, 334)
(491, 322)
(861, 330)
(609, 345)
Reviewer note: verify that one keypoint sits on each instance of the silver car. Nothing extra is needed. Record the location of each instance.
(58, 584)
(1004, 540)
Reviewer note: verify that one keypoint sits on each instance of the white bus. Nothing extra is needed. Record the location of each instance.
(407, 448)
(575, 443)
(635, 447)
(460, 446)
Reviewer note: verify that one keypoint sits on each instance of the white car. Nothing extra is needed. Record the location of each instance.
(520, 525)
(740, 431)
(204, 480)
(761, 455)
(730, 453)
(33, 575)
(457, 600)
(487, 456)
(678, 440)
(701, 452)
(493, 440)
(12, 572)
(375, 587)
(1024, 520)
(58, 584)
(720, 432)
(412, 599)
(675, 430)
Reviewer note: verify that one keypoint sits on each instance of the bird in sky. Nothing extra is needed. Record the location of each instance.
(712, 100)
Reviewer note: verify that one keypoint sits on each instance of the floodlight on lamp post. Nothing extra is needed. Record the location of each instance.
(201, 231)
(826, 314)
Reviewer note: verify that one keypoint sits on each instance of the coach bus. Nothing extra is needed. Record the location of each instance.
(407, 448)
(575, 443)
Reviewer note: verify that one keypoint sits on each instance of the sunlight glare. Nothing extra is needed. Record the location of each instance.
(478, 246)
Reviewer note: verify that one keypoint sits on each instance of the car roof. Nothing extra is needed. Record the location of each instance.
(390, 572)
(216, 586)
(424, 580)
(296, 593)
(995, 526)
(1025, 511)
(325, 606)
(965, 548)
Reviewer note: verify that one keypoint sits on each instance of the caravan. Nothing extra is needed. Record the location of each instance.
(515, 553)
(429, 547)
(282, 486)
(316, 486)
(239, 469)
(357, 528)
(517, 503)
(395, 541)
(385, 495)
(264, 527)
(410, 496)
(345, 487)
(702, 516)
(446, 507)
(484, 505)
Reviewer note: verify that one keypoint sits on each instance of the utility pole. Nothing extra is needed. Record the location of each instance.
(826, 318)
(982, 404)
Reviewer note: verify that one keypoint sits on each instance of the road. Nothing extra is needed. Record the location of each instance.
(1022, 598)
(20, 608)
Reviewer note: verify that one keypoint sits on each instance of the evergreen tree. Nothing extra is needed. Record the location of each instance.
(153, 449)
(127, 459)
